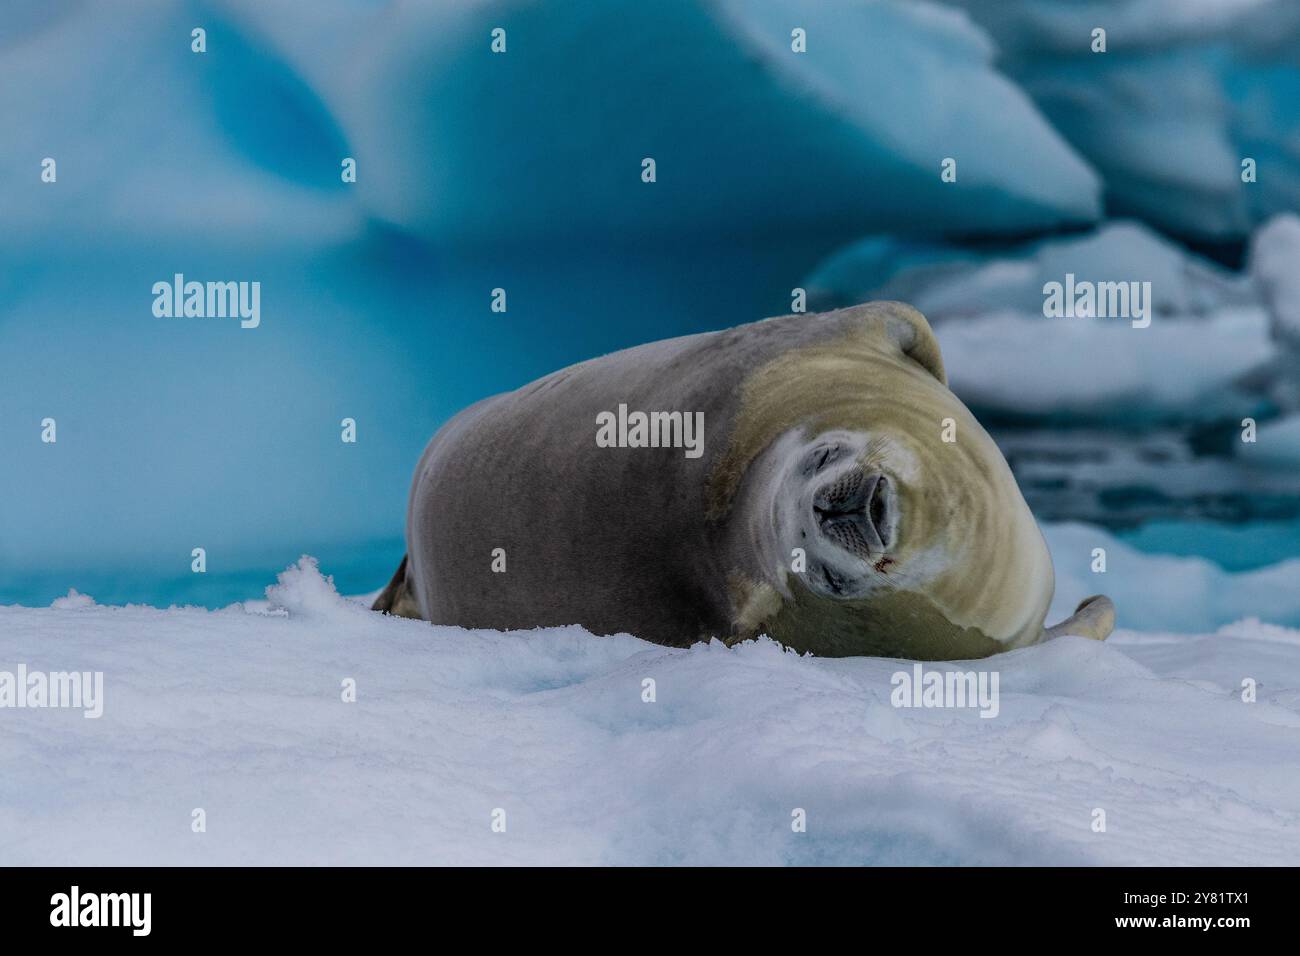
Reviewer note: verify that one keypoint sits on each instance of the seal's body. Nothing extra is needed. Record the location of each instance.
(840, 498)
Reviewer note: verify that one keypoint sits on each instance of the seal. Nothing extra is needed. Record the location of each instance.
(833, 494)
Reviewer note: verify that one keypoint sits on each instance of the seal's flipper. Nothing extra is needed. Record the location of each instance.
(397, 598)
(1094, 618)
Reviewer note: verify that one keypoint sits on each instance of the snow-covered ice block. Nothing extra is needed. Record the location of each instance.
(1185, 91)
(1106, 369)
(1166, 592)
(1206, 345)
(949, 282)
(240, 713)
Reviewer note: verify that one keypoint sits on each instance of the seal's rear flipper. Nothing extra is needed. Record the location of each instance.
(397, 598)
(1094, 618)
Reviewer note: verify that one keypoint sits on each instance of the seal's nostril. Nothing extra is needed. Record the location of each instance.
(878, 508)
(853, 511)
(846, 493)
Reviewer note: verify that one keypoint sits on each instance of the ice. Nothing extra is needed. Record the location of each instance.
(1184, 92)
(239, 712)
(1167, 592)
(154, 142)
(1275, 267)
(1214, 348)
(1093, 368)
(547, 139)
(945, 282)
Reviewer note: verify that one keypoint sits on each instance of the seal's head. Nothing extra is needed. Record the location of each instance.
(883, 518)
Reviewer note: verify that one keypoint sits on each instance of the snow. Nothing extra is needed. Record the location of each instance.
(239, 712)
(72, 600)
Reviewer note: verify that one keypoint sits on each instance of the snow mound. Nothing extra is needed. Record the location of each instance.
(72, 601)
(1252, 628)
(302, 591)
(243, 715)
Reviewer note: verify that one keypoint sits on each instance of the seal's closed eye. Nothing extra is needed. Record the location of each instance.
(821, 456)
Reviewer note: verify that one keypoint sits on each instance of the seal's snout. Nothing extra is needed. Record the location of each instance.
(856, 511)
